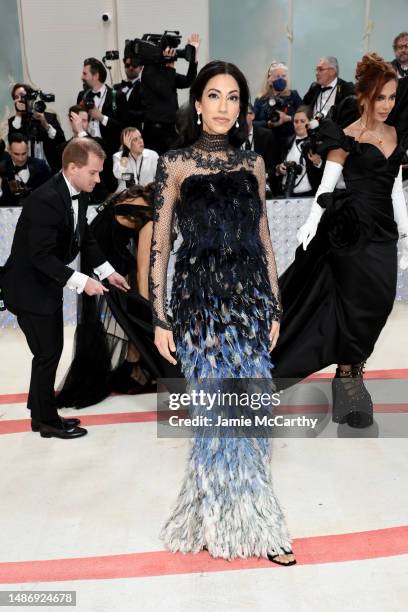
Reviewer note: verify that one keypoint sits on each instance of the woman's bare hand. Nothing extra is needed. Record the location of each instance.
(164, 341)
(274, 335)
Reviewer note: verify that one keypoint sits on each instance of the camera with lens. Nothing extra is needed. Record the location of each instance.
(35, 101)
(149, 49)
(7, 173)
(292, 171)
(129, 179)
(310, 144)
(276, 104)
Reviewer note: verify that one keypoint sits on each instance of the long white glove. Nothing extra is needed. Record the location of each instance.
(401, 218)
(331, 175)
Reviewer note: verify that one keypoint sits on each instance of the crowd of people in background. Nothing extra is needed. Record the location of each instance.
(136, 120)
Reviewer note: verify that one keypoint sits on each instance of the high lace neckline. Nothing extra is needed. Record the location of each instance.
(212, 142)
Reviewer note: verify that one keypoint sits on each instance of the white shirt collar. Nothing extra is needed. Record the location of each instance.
(102, 90)
(333, 83)
(71, 188)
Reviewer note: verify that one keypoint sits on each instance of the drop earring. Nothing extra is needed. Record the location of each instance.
(198, 118)
(237, 122)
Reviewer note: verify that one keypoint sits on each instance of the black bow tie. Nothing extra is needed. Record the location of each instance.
(128, 84)
(325, 88)
(96, 94)
(300, 139)
(18, 169)
(75, 197)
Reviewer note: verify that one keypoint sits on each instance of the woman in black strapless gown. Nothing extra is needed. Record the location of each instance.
(338, 294)
(114, 348)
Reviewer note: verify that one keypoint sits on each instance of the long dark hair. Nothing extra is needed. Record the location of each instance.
(188, 129)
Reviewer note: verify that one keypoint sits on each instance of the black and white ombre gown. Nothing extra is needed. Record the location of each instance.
(223, 301)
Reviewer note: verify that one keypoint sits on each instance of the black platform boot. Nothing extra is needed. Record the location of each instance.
(352, 403)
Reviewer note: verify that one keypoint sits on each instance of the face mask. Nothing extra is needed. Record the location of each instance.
(279, 84)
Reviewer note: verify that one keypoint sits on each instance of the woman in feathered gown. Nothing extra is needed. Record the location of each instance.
(225, 312)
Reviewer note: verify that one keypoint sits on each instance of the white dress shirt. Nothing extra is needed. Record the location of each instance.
(143, 168)
(302, 184)
(326, 99)
(78, 280)
(94, 124)
(38, 145)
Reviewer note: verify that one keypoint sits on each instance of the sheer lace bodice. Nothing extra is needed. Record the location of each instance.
(217, 194)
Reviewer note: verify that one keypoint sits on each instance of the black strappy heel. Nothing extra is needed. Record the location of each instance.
(273, 558)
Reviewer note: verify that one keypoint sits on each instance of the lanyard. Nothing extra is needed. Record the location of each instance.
(322, 106)
(138, 172)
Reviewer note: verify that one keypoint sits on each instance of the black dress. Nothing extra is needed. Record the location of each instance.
(224, 299)
(106, 324)
(338, 294)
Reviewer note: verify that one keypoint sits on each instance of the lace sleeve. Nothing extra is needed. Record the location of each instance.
(166, 194)
(265, 237)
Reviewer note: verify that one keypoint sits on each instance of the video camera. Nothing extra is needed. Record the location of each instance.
(276, 104)
(149, 49)
(35, 101)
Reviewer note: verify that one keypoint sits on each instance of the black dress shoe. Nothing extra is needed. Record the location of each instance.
(49, 431)
(68, 423)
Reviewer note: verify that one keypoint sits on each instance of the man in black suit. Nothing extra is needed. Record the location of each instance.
(43, 130)
(132, 90)
(160, 83)
(400, 62)
(51, 231)
(20, 174)
(107, 108)
(329, 89)
(262, 141)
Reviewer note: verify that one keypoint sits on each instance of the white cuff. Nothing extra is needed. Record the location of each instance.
(17, 122)
(51, 131)
(82, 134)
(104, 120)
(104, 270)
(77, 282)
(399, 204)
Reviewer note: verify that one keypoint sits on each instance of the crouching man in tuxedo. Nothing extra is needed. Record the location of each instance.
(51, 231)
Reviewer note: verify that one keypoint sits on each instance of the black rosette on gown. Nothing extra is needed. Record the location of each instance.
(338, 294)
(107, 323)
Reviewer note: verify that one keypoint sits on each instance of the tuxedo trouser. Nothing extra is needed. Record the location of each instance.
(45, 338)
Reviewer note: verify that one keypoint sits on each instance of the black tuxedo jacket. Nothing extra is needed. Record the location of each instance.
(313, 174)
(50, 144)
(266, 144)
(117, 119)
(135, 105)
(44, 245)
(344, 89)
(39, 174)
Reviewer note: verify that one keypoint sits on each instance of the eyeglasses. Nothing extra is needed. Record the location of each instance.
(402, 46)
(318, 69)
(129, 65)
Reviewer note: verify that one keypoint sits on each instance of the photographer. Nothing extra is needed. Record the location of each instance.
(160, 82)
(19, 173)
(79, 121)
(42, 129)
(133, 164)
(107, 108)
(277, 103)
(301, 171)
(132, 90)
